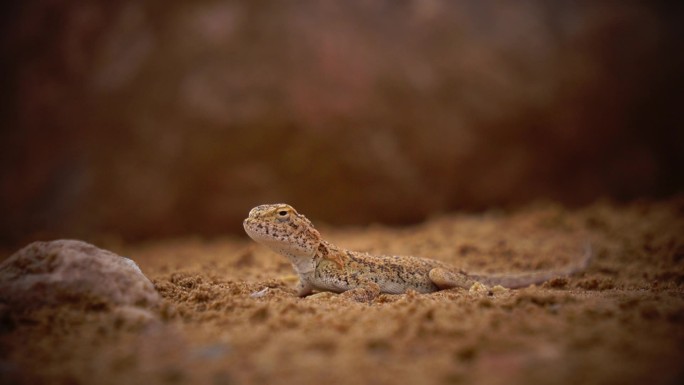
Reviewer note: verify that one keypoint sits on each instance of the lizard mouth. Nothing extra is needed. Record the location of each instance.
(257, 231)
(249, 225)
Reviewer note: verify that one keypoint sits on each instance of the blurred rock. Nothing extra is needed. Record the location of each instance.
(70, 272)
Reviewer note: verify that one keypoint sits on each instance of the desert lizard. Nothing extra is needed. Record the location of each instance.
(323, 266)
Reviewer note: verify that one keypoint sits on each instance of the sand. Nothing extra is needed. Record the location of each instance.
(229, 314)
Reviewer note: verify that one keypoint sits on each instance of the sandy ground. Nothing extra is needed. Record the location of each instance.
(620, 322)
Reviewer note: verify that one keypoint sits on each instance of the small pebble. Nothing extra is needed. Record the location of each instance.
(260, 293)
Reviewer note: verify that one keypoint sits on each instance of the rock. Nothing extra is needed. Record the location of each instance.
(73, 272)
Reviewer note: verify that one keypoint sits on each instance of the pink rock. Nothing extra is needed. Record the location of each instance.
(72, 272)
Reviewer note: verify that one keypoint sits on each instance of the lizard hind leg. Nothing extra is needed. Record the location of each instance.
(446, 279)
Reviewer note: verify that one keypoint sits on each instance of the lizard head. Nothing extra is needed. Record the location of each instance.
(283, 229)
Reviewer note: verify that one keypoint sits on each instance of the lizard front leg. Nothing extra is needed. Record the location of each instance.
(303, 289)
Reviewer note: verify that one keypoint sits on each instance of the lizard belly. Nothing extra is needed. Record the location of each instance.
(339, 283)
(399, 287)
(361, 270)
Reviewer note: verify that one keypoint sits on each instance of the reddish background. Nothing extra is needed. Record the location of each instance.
(149, 119)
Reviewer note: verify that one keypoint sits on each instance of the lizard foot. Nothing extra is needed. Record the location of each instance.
(290, 278)
(321, 295)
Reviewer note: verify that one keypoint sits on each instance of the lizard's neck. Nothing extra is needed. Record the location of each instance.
(332, 253)
(305, 263)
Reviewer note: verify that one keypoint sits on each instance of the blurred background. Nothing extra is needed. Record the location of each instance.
(147, 119)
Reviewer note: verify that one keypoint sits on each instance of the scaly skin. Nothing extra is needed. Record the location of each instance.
(323, 266)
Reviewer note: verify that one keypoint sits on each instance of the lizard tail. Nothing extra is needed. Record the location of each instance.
(516, 281)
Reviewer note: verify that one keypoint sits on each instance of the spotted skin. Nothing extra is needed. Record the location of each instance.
(322, 266)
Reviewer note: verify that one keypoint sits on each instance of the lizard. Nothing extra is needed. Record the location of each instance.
(322, 266)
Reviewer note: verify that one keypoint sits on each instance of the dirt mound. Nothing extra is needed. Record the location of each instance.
(229, 314)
